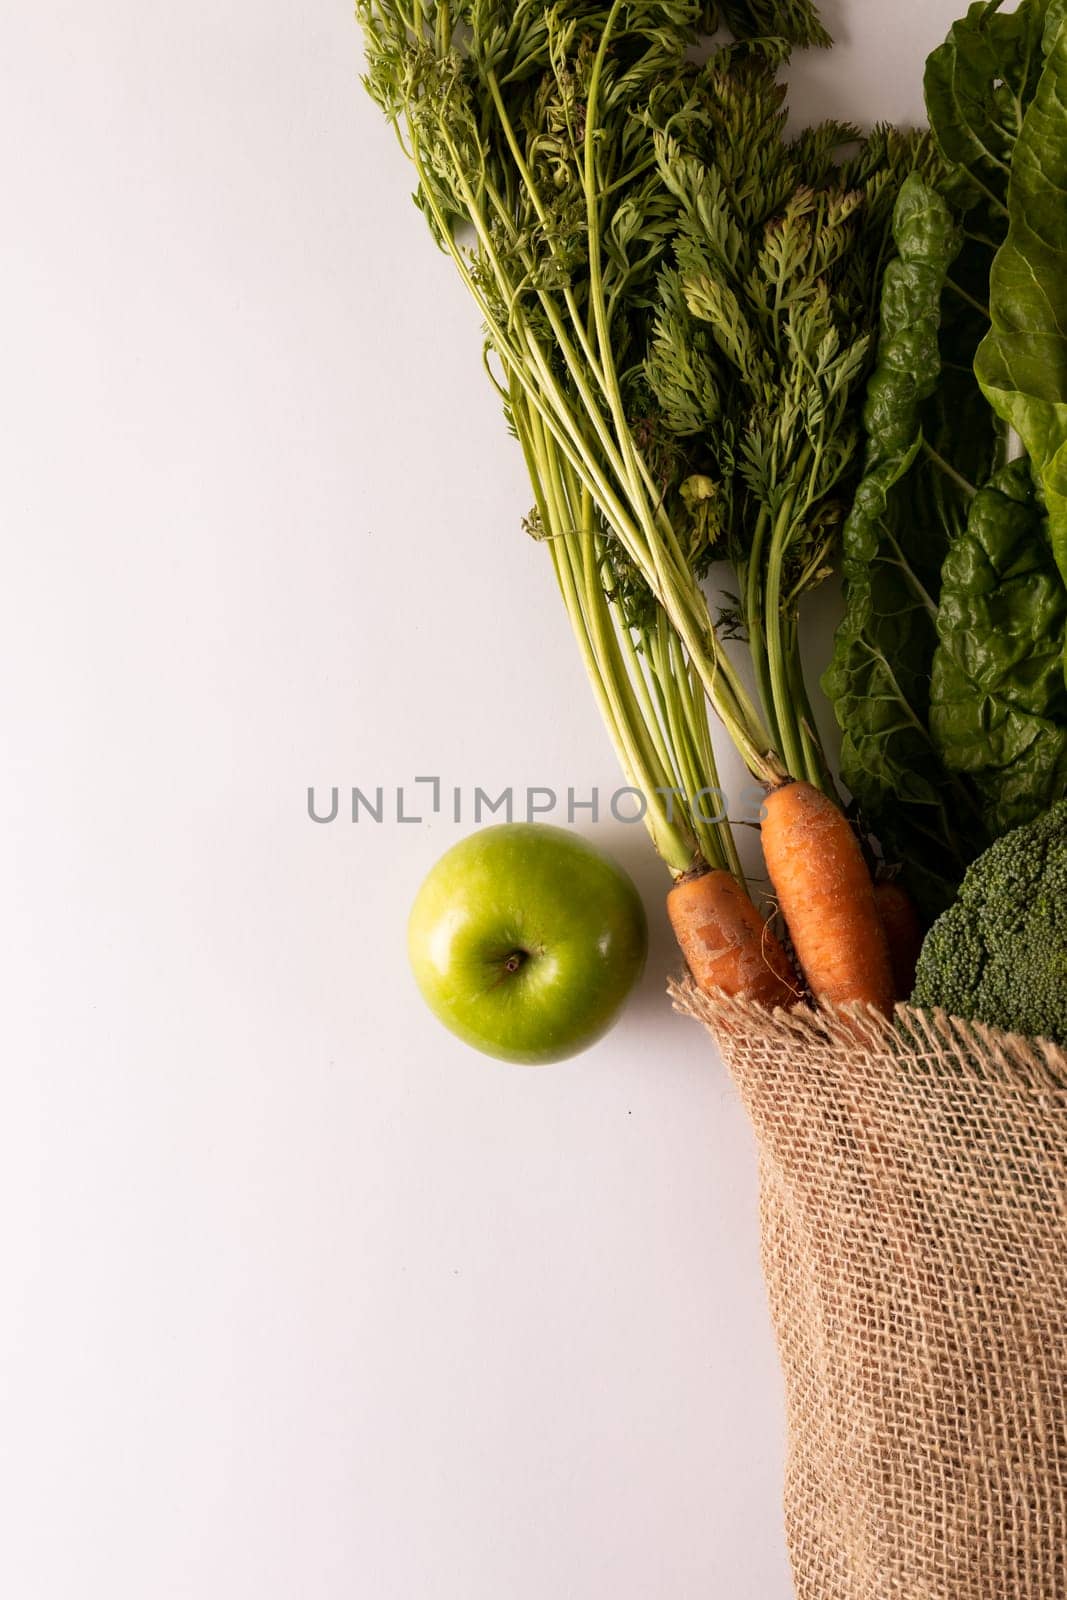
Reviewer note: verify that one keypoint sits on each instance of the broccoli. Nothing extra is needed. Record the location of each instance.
(999, 953)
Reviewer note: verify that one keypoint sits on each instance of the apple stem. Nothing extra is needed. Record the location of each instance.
(515, 960)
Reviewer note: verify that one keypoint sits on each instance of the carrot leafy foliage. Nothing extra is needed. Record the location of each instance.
(678, 298)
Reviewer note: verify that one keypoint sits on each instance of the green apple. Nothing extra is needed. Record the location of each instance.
(525, 941)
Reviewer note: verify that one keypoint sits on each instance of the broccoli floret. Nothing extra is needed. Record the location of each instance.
(999, 953)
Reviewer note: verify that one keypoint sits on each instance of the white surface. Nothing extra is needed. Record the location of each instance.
(300, 1297)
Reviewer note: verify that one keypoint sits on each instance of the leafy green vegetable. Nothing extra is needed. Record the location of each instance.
(1022, 363)
(944, 675)
(677, 296)
(528, 125)
(998, 701)
(761, 344)
(999, 954)
(796, 21)
(977, 85)
(909, 502)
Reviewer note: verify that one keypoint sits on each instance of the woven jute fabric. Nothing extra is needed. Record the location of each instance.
(914, 1241)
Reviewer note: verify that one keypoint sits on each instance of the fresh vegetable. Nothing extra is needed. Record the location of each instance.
(827, 898)
(998, 700)
(726, 943)
(999, 954)
(912, 499)
(526, 941)
(528, 128)
(679, 299)
(762, 343)
(536, 174)
(661, 272)
(646, 688)
(977, 87)
(1022, 362)
(903, 933)
(944, 676)
(796, 21)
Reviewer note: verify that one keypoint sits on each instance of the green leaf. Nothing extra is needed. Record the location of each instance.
(909, 363)
(1054, 20)
(796, 21)
(680, 365)
(894, 541)
(977, 85)
(1022, 363)
(998, 701)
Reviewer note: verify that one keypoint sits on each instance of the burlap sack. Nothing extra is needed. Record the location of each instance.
(914, 1222)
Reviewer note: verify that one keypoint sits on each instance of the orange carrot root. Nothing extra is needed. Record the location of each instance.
(726, 942)
(827, 898)
(903, 931)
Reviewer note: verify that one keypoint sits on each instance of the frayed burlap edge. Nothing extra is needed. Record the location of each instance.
(932, 1036)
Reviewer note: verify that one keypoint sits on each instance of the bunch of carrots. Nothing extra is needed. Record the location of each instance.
(679, 304)
(855, 940)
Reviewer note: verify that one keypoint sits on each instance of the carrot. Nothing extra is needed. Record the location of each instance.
(726, 942)
(903, 931)
(827, 898)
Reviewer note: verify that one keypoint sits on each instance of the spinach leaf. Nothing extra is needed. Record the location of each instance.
(1022, 363)
(998, 701)
(1054, 20)
(977, 85)
(910, 502)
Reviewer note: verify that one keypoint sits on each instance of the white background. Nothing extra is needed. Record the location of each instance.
(299, 1296)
